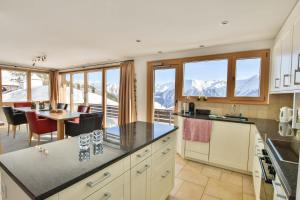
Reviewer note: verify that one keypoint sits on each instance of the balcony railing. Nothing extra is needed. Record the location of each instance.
(112, 113)
(164, 116)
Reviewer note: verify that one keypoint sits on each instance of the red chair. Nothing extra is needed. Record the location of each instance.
(39, 126)
(82, 109)
(22, 104)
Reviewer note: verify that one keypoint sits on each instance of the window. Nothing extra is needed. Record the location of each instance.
(78, 90)
(94, 98)
(14, 85)
(112, 96)
(96, 88)
(40, 86)
(247, 77)
(65, 86)
(205, 78)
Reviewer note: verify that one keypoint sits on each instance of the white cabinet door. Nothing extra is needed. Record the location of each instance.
(253, 131)
(296, 53)
(286, 60)
(275, 81)
(256, 173)
(229, 144)
(141, 181)
(178, 121)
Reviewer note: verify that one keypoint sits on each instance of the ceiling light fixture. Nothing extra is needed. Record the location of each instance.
(202, 46)
(159, 52)
(37, 59)
(138, 40)
(224, 22)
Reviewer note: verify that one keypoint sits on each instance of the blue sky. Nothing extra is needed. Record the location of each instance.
(212, 70)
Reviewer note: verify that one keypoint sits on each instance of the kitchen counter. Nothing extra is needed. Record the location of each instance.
(41, 175)
(268, 129)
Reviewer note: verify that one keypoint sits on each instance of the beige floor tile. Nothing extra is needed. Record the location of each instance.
(194, 166)
(208, 197)
(189, 191)
(192, 176)
(248, 197)
(248, 187)
(178, 168)
(212, 172)
(232, 178)
(180, 160)
(223, 190)
(177, 185)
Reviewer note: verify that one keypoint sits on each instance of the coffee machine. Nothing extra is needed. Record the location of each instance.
(191, 108)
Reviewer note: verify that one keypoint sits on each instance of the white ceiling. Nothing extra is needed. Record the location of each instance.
(79, 32)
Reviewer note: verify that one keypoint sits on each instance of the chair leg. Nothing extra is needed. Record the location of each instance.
(14, 130)
(8, 127)
(30, 137)
(51, 136)
(39, 139)
(19, 127)
(27, 128)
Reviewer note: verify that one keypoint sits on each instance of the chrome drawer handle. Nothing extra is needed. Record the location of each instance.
(166, 151)
(166, 174)
(105, 176)
(143, 154)
(106, 196)
(142, 170)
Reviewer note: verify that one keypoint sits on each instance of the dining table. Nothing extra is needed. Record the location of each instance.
(60, 118)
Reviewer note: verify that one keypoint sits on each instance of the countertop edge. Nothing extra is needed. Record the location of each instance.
(81, 177)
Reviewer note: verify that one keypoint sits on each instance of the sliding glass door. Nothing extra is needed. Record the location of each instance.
(78, 90)
(112, 96)
(164, 94)
(95, 93)
(96, 88)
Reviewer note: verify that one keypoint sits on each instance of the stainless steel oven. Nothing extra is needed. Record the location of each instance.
(267, 176)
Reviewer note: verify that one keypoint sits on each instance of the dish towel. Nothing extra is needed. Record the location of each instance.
(197, 130)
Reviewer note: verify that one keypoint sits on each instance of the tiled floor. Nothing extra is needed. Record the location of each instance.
(195, 181)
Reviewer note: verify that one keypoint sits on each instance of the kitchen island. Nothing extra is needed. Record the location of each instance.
(135, 161)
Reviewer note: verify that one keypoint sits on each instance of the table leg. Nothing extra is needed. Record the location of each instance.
(60, 129)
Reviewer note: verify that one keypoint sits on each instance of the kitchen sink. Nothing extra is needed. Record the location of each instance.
(230, 117)
(287, 151)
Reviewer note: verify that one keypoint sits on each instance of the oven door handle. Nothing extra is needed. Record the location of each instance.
(263, 174)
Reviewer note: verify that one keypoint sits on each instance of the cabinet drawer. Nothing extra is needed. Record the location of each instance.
(163, 142)
(163, 154)
(162, 181)
(93, 183)
(112, 191)
(140, 155)
(198, 147)
(196, 156)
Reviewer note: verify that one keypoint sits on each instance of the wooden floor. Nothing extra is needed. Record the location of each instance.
(195, 181)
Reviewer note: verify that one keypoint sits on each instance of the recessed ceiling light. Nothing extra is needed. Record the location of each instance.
(159, 52)
(138, 40)
(224, 22)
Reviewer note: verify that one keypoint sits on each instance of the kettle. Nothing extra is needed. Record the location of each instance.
(286, 114)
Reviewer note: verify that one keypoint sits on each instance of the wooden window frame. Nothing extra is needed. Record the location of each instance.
(28, 80)
(230, 98)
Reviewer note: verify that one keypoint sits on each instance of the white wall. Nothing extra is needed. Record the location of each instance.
(141, 66)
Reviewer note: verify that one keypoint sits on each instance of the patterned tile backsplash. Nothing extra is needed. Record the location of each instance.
(267, 111)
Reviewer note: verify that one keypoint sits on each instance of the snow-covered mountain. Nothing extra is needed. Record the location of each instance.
(164, 93)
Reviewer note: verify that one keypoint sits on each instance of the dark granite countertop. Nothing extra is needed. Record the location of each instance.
(41, 175)
(268, 129)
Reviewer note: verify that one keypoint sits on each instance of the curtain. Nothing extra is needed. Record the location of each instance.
(54, 88)
(127, 93)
